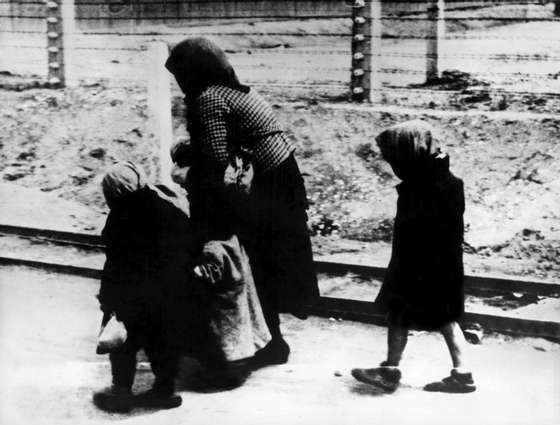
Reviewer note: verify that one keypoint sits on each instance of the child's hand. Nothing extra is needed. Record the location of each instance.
(179, 175)
(209, 273)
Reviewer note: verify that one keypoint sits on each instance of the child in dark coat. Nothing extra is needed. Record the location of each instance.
(145, 284)
(423, 288)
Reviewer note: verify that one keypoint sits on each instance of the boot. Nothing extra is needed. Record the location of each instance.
(275, 352)
(160, 396)
(115, 399)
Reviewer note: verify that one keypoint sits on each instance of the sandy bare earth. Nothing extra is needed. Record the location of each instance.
(49, 370)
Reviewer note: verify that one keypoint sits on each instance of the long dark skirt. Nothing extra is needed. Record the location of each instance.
(278, 243)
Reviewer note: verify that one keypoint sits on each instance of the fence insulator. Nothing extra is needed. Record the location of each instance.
(54, 80)
(359, 3)
(52, 35)
(359, 37)
(53, 49)
(52, 5)
(360, 20)
(358, 56)
(358, 72)
(358, 90)
(54, 65)
(52, 20)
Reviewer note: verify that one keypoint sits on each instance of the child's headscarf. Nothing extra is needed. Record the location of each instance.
(121, 180)
(198, 63)
(408, 147)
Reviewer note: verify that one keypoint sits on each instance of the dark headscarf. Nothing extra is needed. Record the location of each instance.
(121, 181)
(198, 63)
(410, 148)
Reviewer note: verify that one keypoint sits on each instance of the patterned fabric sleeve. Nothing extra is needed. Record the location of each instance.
(213, 111)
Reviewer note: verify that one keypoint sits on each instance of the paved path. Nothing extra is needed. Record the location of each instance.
(49, 370)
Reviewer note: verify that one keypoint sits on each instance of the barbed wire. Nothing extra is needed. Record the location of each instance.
(293, 17)
(476, 3)
(320, 52)
(296, 34)
(128, 49)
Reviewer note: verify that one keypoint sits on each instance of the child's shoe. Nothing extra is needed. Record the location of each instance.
(158, 398)
(383, 377)
(455, 383)
(114, 399)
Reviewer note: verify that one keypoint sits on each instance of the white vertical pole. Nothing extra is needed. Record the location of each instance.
(55, 46)
(366, 50)
(436, 34)
(159, 107)
(69, 33)
(375, 50)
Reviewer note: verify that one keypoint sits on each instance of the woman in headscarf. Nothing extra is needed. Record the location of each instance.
(423, 287)
(225, 117)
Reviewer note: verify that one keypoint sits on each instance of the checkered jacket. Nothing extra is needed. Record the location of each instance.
(223, 118)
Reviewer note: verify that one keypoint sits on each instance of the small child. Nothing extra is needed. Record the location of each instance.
(423, 287)
(148, 251)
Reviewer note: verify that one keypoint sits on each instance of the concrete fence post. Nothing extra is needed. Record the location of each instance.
(68, 37)
(159, 107)
(365, 80)
(60, 41)
(55, 44)
(435, 36)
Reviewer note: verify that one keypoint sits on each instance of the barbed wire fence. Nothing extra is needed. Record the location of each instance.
(368, 49)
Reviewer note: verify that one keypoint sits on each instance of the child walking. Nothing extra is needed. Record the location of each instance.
(423, 287)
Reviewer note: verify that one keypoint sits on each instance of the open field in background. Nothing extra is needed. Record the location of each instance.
(61, 141)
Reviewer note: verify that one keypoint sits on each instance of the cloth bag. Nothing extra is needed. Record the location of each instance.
(111, 336)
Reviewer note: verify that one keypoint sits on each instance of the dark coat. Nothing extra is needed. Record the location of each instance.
(149, 251)
(423, 287)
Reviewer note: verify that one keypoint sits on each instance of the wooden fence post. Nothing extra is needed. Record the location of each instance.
(159, 107)
(365, 80)
(55, 47)
(435, 36)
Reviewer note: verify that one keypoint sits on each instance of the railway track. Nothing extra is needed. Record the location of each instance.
(342, 308)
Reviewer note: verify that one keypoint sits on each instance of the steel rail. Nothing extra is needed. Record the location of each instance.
(341, 308)
(473, 283)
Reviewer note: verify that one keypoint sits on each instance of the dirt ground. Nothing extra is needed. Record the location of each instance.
(503, 146)
(49, 371)
(509, 165)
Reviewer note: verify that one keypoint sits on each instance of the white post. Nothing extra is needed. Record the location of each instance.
(436, 34)
(375, 49)
(55, 46)
(68, 36)
(159, 107)
(365, 80)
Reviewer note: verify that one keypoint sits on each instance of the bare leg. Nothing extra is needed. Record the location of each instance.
(456, 343)
(460, 379)
(386, 377)
(397, 338)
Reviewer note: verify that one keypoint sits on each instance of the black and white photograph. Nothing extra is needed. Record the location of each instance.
(284, 212)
